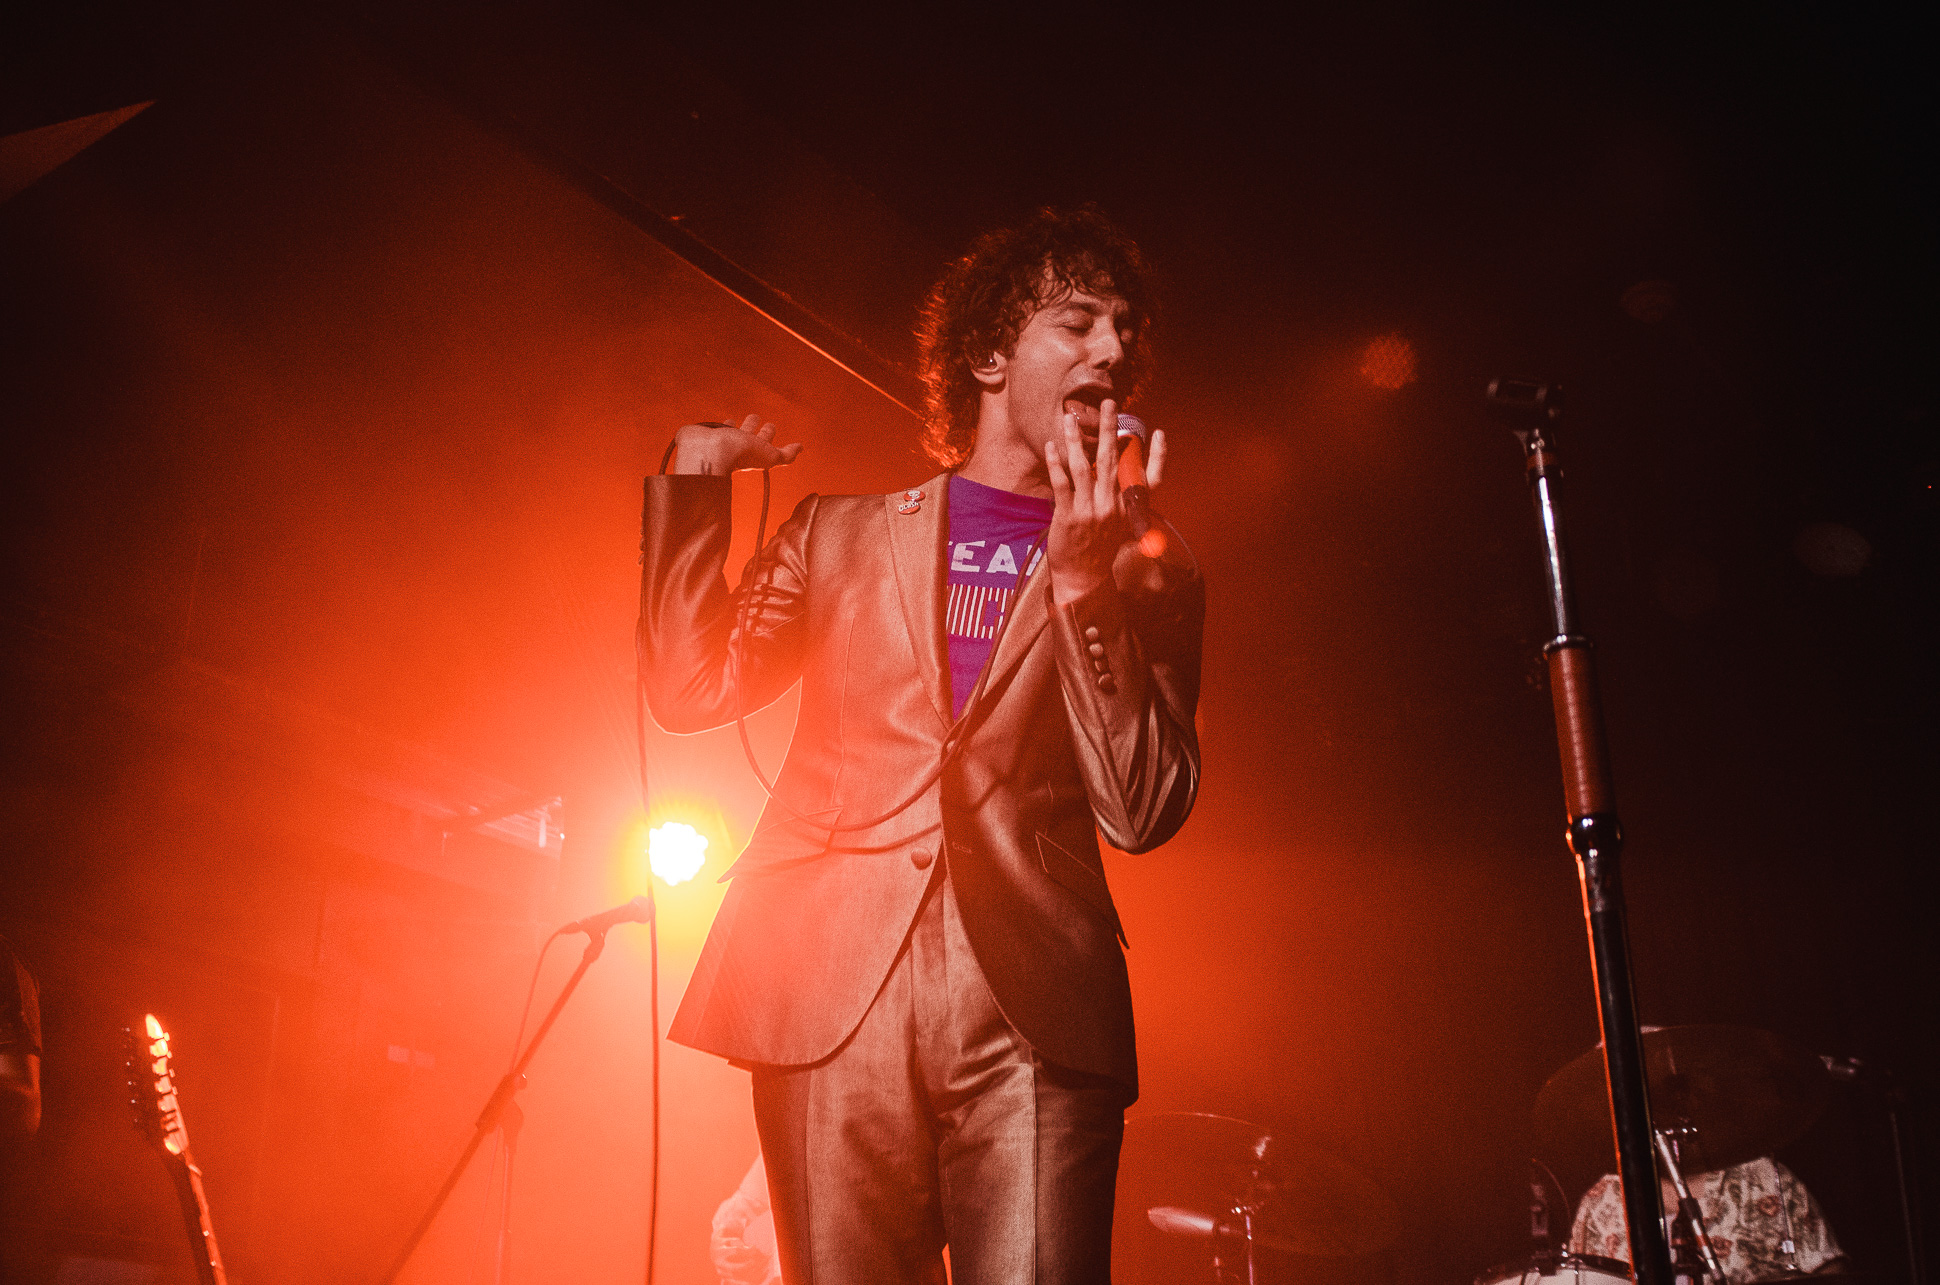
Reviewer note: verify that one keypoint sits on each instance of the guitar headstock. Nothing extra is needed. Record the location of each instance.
(151, 1087)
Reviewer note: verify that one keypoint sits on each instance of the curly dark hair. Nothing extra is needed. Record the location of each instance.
(986, 297)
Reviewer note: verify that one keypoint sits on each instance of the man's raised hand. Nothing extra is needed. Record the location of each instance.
(720, 449)
(1087, 523)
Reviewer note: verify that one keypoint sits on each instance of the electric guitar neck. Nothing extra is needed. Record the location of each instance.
(158, 1115)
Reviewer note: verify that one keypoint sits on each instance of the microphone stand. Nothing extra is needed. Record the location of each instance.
(1595, 835)
(496, 1109)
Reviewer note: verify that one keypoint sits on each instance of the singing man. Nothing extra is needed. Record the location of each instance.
(919, 958)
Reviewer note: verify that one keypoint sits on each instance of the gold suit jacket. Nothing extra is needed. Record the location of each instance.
(1063, 745)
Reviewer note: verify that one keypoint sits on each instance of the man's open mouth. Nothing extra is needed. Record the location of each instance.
(1084, 403)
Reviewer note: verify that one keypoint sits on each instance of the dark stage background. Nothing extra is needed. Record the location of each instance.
(328, 381)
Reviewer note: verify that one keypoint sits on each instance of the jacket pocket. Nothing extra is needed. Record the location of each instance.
(1081, 880)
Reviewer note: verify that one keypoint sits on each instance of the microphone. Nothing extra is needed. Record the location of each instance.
(637, 911)
(1133, 436)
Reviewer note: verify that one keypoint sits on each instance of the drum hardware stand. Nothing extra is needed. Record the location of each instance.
(1915, 1252)
(1541, 1212)
(1221, 1274)
(1689, 1218)
(1892, 1096)
(1790, 1245)
(1538, 1207)
(1245, 1210)
(1595, 835)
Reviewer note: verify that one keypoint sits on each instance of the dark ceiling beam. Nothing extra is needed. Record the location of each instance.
(31, 155)
(626, 118)
(892, 380)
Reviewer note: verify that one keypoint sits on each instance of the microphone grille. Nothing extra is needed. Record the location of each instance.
(1133, 426)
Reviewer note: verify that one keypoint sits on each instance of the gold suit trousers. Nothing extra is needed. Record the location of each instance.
(936, 1122)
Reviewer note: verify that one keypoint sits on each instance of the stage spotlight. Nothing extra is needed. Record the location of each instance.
(676, 851)
(1388, 362)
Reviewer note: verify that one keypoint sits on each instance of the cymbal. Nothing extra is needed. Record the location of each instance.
(1747, 1093)
(1174, 1221)
(1184, 1171)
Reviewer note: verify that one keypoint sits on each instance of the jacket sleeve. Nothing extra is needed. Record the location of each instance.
(693, 632)
(1129, 666)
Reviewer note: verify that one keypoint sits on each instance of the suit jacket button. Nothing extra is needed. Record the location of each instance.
(921, 858)
(1107, 684)
(1091, 634)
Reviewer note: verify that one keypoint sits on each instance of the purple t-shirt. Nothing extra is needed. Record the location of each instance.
(991, 533)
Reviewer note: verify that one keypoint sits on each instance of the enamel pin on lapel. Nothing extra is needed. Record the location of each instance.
(912, 502)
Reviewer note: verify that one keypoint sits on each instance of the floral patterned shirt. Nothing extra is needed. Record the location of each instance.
(1749, 1211)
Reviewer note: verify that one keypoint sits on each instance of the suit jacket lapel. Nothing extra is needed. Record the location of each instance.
(916, 550)
(1029, 615)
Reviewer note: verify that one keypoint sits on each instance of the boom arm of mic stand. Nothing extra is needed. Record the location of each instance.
(494, 1109)
(1595, 835)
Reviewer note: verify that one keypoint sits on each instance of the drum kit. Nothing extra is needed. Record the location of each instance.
(1210, 1198)
(1215, 1192)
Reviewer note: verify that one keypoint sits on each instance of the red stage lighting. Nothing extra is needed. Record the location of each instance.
(1388, 362)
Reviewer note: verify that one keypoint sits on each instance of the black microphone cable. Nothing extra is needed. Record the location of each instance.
(653, 916)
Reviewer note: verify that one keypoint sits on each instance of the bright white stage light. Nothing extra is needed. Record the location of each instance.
(676, 851)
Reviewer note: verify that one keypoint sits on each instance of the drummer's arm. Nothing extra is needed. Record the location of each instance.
(1599, 1227)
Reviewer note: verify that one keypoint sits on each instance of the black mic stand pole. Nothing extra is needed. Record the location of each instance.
(496, 1105)
(1594, 835)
